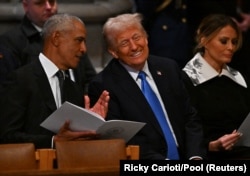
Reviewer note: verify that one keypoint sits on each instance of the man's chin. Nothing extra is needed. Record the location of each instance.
(75, 64)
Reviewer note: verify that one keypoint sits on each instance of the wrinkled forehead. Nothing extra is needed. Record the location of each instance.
(127, 32)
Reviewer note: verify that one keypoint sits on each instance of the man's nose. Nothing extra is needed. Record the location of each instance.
(48, 5)
(133, 45)
(83, 47)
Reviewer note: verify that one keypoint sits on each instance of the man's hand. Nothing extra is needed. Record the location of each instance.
(65, 134)
(101, 106)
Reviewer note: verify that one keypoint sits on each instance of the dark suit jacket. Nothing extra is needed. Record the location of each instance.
(128, 103)
(7, 62)
(27, 100)
(25, 44)
(167, 29)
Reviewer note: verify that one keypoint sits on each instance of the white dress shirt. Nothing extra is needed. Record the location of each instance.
(134, 73)
(51, 69)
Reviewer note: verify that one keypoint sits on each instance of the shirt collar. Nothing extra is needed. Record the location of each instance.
(49, 67)
(200, 71)
(39, 29)
(134, 73)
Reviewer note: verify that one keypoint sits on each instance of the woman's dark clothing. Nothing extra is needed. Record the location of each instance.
(223, 105)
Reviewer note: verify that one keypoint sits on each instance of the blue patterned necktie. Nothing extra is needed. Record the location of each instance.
(158, 111)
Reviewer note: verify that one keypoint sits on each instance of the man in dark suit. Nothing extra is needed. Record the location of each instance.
(7, 63)
(25, 43)
(127, 43)
(32, 92)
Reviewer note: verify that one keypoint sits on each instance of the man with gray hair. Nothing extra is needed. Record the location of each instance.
(24, 43)
(32, 92)
(147, 89)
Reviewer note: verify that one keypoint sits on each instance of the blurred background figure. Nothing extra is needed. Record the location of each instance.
(7, 62)
(166, 24)
(24, 43)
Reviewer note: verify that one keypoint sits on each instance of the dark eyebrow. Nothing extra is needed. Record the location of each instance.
(80, 38)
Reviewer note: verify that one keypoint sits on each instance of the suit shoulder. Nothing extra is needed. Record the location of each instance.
(163, 61)
(25, 70)
(13, 38)
(12, 33)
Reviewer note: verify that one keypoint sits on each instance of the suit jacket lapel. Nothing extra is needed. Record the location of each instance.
(161, 80)
(73, 92)
(123, 79)
(44, 85)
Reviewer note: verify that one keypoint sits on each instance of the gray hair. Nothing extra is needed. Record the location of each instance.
(59, 22)
(120, 23)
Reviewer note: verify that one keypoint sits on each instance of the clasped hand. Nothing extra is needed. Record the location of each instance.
(225, 142)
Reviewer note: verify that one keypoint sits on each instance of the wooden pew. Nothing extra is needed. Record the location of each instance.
(98, 171)
(44, 160)
(93, 153)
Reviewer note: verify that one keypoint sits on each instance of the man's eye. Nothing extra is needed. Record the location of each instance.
(52, 2)
(39, 2)
(136, 38)
(80, 40)
(124, 43)
(42, 2)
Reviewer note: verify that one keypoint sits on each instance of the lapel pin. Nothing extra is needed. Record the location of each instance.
(158, 73)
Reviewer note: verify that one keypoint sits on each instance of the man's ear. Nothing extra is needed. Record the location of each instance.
(55, 39)
(146, 40)
(25, 5)
(113, 53)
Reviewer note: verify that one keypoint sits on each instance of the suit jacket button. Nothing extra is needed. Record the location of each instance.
(165, 27)
(184, 20)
